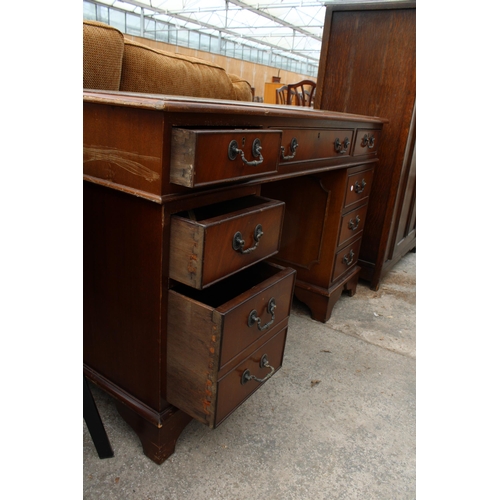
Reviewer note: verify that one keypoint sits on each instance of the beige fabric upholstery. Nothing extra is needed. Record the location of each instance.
(102, 56)
(242, 89)
(157, 72)
(113, 62)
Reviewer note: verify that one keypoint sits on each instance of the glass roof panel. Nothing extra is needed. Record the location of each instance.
(290, 27)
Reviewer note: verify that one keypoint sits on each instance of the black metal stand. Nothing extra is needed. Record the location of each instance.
(94, 423)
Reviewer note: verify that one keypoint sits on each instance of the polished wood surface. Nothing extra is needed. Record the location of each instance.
(312, 241)
(232, 391)
(151, 328)
(368, 65)
(210, 230)
(200, 157)
(199, 321)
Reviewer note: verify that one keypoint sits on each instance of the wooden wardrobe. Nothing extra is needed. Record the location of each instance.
(368, 66)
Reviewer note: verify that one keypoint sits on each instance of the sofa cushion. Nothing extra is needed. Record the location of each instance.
(242, 89)
(153, 71)
(102, 56)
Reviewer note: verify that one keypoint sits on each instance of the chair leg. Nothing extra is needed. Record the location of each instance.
(94, 423)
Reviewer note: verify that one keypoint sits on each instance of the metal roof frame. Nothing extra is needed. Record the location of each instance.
(286, 27)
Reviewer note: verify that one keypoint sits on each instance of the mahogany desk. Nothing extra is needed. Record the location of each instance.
(202, 218)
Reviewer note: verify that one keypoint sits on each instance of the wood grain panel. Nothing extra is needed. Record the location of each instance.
(122, 269)
(368, 66)
(194, 243)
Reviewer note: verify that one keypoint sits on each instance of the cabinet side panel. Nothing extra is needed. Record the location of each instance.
(369, 68)
(121, 290)
(183, 157)
(124, 146)
(186, 252)
(193, 341)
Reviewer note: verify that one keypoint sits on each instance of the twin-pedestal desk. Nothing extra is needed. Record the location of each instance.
(202, 219)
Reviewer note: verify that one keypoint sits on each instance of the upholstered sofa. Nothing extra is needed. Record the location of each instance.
(111, 61)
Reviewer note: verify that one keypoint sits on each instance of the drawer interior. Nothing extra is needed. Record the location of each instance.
(233, 286)
(216, 210)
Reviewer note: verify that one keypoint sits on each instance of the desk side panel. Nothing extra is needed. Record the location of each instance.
(122, 290)
(124, 146)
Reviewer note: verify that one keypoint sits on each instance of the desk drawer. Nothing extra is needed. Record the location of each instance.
(235, 387)
(204, 157)
(346, 259)
(351, 224)
(366, 142)
(314, 144)
(210, 337)
(359, 185)
(209, 243)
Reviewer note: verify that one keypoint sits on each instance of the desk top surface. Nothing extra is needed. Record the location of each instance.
(181, 104)
(159, 147)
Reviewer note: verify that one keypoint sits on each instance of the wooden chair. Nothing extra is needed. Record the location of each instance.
(285, 95)
(281, 94)
(304, 92)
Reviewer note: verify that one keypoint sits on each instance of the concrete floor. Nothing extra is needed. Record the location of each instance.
(336, 422)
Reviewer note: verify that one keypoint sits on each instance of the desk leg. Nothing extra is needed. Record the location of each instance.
(320, 301)
(158, 443)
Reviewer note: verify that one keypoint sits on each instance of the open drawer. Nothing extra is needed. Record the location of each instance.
(212, 242)
(204, 157)
(216, 335)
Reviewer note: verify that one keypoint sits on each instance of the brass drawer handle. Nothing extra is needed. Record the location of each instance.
(348, 259)
(293, 148)
(239, 242)
(368, 141)
(359, 188)
(253, 318)
(264, 363)
(339, 145)
(353, 224)
(233, 152)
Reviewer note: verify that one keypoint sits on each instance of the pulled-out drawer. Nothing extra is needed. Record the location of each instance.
(366, 142)
(204, 157)
(314, 144)
(352, 224)
(346, 259)
(210, 243)
(214, 335)
(243, 380)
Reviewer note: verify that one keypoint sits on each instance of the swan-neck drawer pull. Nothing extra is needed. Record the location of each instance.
(368, 141)
(253, 318)
(359, 187)
(233, 151)
(264, 363)
(348, 258)
(353, 224)
(293, 148)
(342, 147)
(239, 242)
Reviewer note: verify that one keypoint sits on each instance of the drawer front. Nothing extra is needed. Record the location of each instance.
(225, 238)
(246, 321)
(351, 224)
(200, 322)
(204, 157)
(366, 142)
(358, 188)
(314, 144)
(346, 259)
(233, 389)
